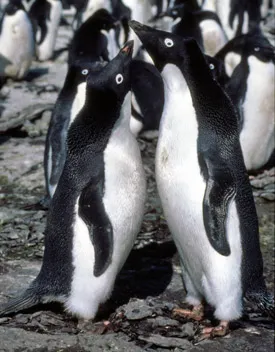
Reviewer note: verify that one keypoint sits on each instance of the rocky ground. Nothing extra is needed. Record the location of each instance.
(148, 288)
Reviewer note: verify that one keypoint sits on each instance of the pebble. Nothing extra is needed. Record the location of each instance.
(163, 341)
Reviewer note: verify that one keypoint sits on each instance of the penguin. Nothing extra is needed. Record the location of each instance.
(95, 5)
(70, 101)
(16, 41)
(80, 6)
(89, 40)
(147, 99)
(88, 236)
(46, 16)
(251, 87)
(237, 16)
(204, 26)
(203, 184)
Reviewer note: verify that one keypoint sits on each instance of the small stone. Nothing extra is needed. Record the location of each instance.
(162, 322)
(268, 196)
(137, 310)
(188, 329)
(163, 341)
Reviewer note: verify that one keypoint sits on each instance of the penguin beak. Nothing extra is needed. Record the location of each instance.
(147, 35)
(128, 48)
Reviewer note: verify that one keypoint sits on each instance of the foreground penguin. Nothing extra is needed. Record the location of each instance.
(17, 42)
(46, 15)
(250, 61)
(98, 205)
(70, 101)
(203, 184)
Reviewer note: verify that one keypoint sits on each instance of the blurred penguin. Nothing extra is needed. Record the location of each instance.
(46, 15)
(17, 42)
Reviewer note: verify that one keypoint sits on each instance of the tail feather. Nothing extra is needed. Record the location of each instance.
(27, 300)
(264, 301)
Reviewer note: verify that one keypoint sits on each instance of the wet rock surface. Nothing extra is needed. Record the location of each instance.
(138, 317)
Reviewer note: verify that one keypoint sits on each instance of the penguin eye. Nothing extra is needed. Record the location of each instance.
(174, 13)
(211, 66)
(119, 78)
(257, 48)
(84, 72)
(168, 42)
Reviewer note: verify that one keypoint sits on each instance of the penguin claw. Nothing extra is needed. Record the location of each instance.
(195, 314)
(218, 331)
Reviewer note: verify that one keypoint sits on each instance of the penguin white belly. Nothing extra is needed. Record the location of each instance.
(181, 188)
(123, 201)
(17, 44)
(213, 37)
(257, 136)
(46, 48)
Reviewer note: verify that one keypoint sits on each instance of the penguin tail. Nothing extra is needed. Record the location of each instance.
(25, 301)
(264, 301)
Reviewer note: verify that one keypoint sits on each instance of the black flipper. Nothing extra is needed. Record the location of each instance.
(92, 211)
(27, 300)
(220, 190)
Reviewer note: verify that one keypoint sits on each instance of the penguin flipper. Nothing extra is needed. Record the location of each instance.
(220, 190)
(92, 211)
(25, 301)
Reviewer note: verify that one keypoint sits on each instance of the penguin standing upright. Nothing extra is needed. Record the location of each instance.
(70, 101)
(251, 87)
(98, 205)
(90, 41)
(16, 41)
(203, 184)
(46, 15)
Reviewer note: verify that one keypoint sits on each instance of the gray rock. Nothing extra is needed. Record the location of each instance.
(137, 310)
(268, 196)
(162, 322)
(163, 341)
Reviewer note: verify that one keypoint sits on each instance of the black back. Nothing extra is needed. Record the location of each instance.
(83, 178)
(147, 86)
(219, 151)
(39, 13)
(57, 131)
(238, 9)
(88, 41)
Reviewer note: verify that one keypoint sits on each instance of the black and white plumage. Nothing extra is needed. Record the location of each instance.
(202, 181)
(46, 16)
(98, 205)
(16, 41)
(250, 62)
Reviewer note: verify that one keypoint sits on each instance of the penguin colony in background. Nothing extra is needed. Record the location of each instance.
(202, 73)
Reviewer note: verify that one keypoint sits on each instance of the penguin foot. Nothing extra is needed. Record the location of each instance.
(221, 330)
(196, 313)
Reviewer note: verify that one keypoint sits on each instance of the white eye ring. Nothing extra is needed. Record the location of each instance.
(84, 72)
(119, 78)
(257, 48)
(211, 66)
(168, 42)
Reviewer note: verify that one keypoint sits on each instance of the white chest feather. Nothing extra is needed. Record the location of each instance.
(123, 200)
(213, 36)
(257, 135)
(17, 43)
(181, 188)
(79, 101)
(46, 48)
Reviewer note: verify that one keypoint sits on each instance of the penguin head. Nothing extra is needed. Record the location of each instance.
(217, 68)
(80, 70)
(102, 19)
(251, 44)
(163, 47)
(13, 6)
(114, 78)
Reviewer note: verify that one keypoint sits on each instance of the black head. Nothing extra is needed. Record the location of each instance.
(217, 68)
(163, 47)
(13, 6)
(253, 43)
(102, 19)
(80, 70)
(114, 79)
